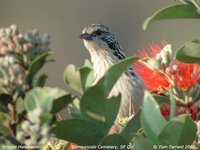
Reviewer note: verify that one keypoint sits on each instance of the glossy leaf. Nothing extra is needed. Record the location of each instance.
(142, 143)
(92, 106)
(46, 117)
(42, 98)
(185, 130)
(86, 75)
(189, 52)
(151, 119)
(132, 127)
(172, 12)
(100, 111)
(74, 109)
(172, 105)
(111, 76)
(72, 78)
(40, 81)
(79, 79)
(114, 140)
(62, 102)
(78, 131)
(161, 99)
(38, 62)
(94, 103)
(111, 110)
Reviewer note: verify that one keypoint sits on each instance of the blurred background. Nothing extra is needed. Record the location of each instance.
(65, 19)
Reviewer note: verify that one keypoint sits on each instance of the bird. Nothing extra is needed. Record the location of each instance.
(105, 51)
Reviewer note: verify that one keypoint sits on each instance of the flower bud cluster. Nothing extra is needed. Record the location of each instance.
(13, 40)
(17, 51)
(12, 76)
(33, 131)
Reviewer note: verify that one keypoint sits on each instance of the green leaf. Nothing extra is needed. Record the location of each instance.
(92, 106)
(74, 109)
(72, 78)
(114, 140)
(161, 99)
(46, 117)
(20, 105)
(100, 111)
(189, 52)
(40, 81)
(185, 131)
(5, 99)
(151, 119)
(38, 63)
(11, 141)
(94, 103)
(111, 110)
(79, 79)
(142, 143)
(42, 98)
(172, 105)
(111, 76)
(132, 127)
(62, 102)
(172, 12)
(78, 131)
(4, 127)
(38, 98)
(86, 77)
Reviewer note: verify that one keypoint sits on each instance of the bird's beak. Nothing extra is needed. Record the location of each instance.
(86, 36)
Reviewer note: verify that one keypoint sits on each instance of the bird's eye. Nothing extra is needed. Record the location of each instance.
(98, 32)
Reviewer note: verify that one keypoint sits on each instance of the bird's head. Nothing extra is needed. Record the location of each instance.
(95, 33)
(98, 37)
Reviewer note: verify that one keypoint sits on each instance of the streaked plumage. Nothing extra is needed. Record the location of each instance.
(106, 51)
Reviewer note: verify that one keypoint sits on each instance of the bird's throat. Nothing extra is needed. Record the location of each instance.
(102, 59)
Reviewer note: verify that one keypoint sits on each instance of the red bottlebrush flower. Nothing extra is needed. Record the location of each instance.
(180, 74)
(153, 80)
(184, 75)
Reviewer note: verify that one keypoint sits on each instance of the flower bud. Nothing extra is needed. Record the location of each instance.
(45, 130)
(5, 63)
(4, 49)
(14, 29)
(35, 32)
(20, 136)
(16, 39)
(2, 32)
(27, 46)
(11, 46)
(11, 60)
(35, 128)
(25, 126)
(8, 32)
